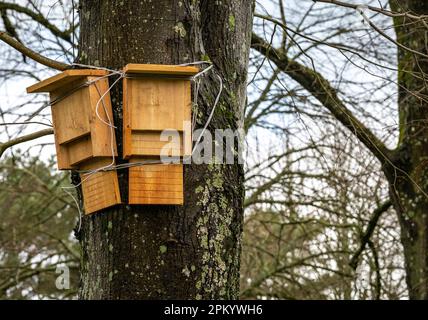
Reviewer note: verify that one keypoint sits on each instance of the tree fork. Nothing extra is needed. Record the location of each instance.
(169, 252)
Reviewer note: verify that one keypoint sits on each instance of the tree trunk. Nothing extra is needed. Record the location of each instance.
(409, 178)
(170, 252)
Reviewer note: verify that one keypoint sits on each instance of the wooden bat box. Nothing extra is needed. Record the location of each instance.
(101, 189)
(82, 140)
(79, 134)
(156, 98)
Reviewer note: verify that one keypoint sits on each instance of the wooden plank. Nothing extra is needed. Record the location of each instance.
(159, 104)
(148, 143)
(159, 168)
(127, 129)
(100, 190)
(71, 115)
(156, 184)
(165, 181)
(158, 201)
(62, 160)
(156, 105)
(79, 150)
(153, 175)
(101, 133)
(161, 69)
(159, 194)
(160, 187)
(63, 79)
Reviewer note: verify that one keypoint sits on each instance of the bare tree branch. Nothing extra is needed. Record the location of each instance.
(65, 35)
(376, 28)
(32, 136)
(321, 89)
(369, 231)
(374, 9)
(378, 284)
(31, 54)
(10, 28)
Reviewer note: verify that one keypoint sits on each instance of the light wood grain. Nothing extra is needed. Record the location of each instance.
(71, 116)
(156, 184)
(63, 79)
(101, 133)
(78, 150)
(100, 190)
(149, 143)
(151, 106)
(161, 69)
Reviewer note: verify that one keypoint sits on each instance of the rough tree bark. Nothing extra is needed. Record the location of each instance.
(410, 196)
(170, 252)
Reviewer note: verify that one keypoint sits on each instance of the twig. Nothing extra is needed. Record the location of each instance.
(32, 136)
(369, 231)
(39, 18)
(322, 90)
(25, 123)
(31, 54)
(378, 284)
(376, 28)
(374, 9)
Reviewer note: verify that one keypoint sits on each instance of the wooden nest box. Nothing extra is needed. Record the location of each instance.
(82, 140)
(156, 99)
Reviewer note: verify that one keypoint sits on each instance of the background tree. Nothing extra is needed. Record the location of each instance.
(35, 230)
(402, 165)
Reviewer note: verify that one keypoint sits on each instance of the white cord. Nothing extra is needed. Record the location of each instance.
(94, 67)
(211, 114)
(78, 208)
(194, 63)
(202, 72)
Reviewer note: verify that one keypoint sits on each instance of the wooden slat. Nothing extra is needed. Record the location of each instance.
(154, 175)
(63, 79)
(101, 133)
(158, 201)
(100, 190)
(159, 104)
(159, 168)
(127, 128)
(155, 105)
(79, 150)
(148, 143)
(160, 187)
(161, 69)
(71, 116)
(160, 181)
(156, 184)
(159, 194)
